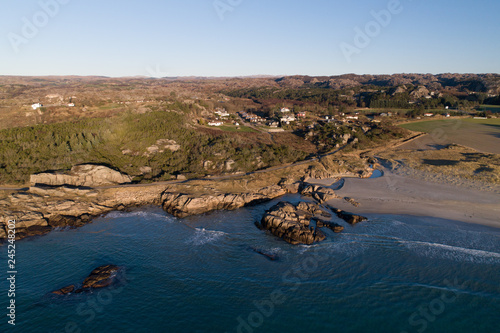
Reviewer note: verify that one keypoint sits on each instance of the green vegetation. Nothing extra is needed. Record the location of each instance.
(122, 142)
(446, 124)
(331, 135)
(492, 108)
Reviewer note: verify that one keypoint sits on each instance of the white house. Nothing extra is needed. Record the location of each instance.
(284, 110)
(287, 119)
(428, 114)
(215, 123)
(36, 106)
(71, 104)
(222, 113)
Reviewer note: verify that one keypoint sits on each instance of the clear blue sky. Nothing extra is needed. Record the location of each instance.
(276, 37)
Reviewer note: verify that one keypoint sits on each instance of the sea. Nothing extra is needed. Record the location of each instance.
(205, 274)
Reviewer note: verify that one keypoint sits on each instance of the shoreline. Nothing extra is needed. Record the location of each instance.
(39, 210)
(402, 195)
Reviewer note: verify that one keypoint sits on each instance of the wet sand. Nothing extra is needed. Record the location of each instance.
(395, 194)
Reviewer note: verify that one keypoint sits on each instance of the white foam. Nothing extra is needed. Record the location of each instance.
(452, 252)
(139, 213)
(203, 236)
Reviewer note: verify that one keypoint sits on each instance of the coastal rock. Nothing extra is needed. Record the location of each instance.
(337, 228)
(28, 223)
(349, 217)
(294, 224)
(352, 201)
(290, 185)
(101, 277)
(65, 290)
(182, 205)
(320, 194)
(82, 175)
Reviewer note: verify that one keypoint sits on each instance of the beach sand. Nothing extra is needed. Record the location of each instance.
(401, 195)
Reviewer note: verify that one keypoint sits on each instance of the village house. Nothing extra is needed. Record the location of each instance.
(215, 123)
(287, 119)
(301, 114)
(36, 106)
(285, 110)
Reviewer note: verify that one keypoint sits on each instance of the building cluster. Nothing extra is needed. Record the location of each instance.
(250, 117)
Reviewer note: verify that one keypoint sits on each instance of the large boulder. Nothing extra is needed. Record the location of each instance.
(82, 175)
(320, 194)
(296, 223)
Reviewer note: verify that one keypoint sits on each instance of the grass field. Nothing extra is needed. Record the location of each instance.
(431, 125)
(492, 108)
(480, 134)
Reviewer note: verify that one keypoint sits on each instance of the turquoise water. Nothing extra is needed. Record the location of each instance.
(390, 274)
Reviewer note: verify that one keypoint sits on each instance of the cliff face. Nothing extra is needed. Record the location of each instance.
(82, 175)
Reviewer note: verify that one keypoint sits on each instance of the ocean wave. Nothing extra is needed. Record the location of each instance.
(203, 236)
(139, 213)
(452, 252)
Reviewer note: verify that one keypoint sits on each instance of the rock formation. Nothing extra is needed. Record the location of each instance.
(182, 205)
(297, 224)
(82, 175)
(349, 217)
(102, 276)
(318, 193)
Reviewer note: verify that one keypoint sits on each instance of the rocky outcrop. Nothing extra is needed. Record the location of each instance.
(349, 217)
(82, 175)
(182, 205)
(102, 276)
(318, 193)
(39, 210)
(28, 223)
(297, 224)
(65, 291)
(351, 201)
(290, 185)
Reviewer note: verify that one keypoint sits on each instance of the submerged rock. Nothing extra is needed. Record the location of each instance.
(102, 276)
(269, 256)
(65, 290)
(349, 217)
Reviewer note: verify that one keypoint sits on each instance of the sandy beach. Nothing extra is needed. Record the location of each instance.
(395, 194)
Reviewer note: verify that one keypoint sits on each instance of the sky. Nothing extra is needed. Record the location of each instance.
(248, 37)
